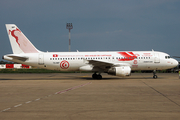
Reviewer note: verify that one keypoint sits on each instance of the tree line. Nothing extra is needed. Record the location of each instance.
(6, 62)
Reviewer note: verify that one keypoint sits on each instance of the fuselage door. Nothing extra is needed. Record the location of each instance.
(41, 59)
(156, 58)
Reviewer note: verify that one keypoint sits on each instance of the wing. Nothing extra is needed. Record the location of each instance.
(104, 65)
(100, 64)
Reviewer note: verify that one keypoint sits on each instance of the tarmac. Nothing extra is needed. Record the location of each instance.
(76, 96)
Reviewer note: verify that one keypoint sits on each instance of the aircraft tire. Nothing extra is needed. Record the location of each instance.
(99, 76)
(95, 76)
(155, 76)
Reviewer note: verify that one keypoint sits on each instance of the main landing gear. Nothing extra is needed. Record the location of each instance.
(96, 76)
(154, 74)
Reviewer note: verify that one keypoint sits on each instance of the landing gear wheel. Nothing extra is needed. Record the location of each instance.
(99, 76)
(155, 76)
(95, 76)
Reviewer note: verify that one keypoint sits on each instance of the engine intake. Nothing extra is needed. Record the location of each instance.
(120, 71)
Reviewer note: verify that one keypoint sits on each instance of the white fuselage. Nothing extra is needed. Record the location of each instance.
(73, 61)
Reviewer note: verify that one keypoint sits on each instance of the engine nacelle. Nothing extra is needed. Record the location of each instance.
(120, 71)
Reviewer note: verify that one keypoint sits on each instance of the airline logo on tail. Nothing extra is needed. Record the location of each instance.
(12, 33)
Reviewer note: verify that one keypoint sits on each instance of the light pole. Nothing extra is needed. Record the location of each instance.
(69, 26)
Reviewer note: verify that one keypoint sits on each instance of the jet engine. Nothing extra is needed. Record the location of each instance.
(120, 71)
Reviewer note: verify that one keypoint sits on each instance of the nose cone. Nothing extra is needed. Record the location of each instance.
(175, 63)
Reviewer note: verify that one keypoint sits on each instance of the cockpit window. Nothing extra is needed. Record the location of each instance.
(167, 57)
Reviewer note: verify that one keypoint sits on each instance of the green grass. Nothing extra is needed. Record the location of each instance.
(32, 71)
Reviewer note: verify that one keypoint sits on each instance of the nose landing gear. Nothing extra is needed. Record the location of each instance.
(154, 74)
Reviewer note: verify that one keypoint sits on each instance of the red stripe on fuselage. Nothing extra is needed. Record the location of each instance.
(127, 56)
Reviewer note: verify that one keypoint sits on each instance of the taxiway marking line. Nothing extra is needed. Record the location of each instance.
(17, 105)
(5, 109)
(60, 92)
(37, 99)
(28, 102)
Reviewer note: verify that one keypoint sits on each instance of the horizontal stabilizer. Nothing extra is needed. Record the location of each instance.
(15, 57)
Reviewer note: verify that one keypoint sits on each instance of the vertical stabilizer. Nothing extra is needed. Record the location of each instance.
(19, 42)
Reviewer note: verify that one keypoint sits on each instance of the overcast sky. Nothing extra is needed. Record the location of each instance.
(98, 25)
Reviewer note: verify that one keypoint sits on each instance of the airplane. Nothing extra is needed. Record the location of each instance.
(118, 63)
